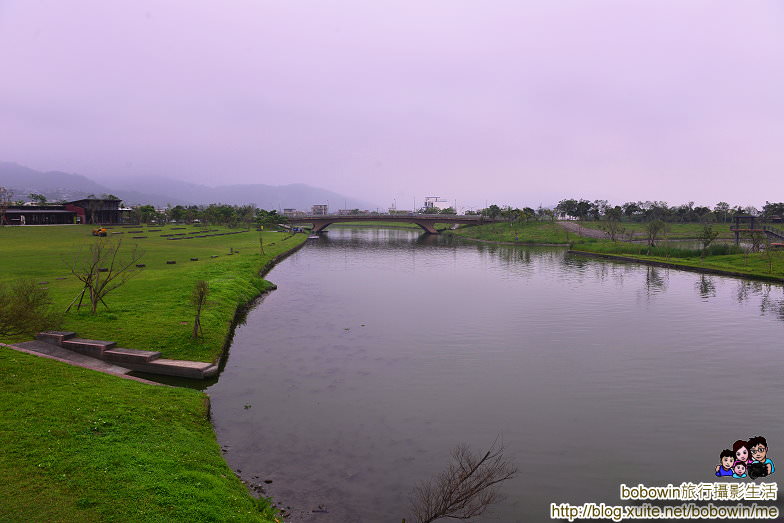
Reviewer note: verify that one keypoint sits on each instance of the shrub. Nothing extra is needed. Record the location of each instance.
(25, 308)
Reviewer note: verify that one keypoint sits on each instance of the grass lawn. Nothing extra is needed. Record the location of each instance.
(152, 310)
(78, 445)
(527, 232)
(754, 264)
(677, 230)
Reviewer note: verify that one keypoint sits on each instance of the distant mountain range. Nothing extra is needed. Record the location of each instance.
(56, 185)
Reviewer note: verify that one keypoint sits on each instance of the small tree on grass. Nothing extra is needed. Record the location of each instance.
(654, 230)
(770, 253)
(466, 488)
(757, 238)
(199, 300)
(613, 228)
(25, 308)
(102, 268)
(706, 237)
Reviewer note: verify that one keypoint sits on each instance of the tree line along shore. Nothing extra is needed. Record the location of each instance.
(711, 246)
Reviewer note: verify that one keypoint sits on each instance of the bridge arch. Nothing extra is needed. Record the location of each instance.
(426, 221)
(320, 225)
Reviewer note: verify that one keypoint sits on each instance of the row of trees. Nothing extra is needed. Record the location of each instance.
(656, 210)
(215, 213)
(514, 214)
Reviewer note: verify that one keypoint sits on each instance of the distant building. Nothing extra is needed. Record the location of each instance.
(433, 204)
(319, 209)
(92, 210)
(97, 211)
(293, 212)
(38, 215)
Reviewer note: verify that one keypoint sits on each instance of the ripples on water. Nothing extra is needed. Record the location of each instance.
(382, 349)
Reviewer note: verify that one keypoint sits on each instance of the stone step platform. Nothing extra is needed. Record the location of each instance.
(54, 337)
(121, 355)
(94, 348)
(128, 359)
(70, 356)
(181, 368)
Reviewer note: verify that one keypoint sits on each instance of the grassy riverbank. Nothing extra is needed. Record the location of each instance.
(720, 257)
(152, 310)
(677, 231)
(527, 232)
(79, 445)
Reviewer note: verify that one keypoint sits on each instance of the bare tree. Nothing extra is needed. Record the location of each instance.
(6, 197)
(199, 300)
(466, 488)
(103, 268)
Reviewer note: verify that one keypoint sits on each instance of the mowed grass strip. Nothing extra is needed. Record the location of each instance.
(151, 311)
(752, 264)
(678, 231)
(78, 445)
(525, 232)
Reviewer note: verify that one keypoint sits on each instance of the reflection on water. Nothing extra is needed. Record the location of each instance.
(383, 348)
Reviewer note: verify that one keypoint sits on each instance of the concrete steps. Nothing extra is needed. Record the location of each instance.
(185, 369)
(121, 355)
(133, 359)
(94, 348)
(54, 337)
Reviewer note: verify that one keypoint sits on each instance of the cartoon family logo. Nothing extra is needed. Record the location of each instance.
(738, 464)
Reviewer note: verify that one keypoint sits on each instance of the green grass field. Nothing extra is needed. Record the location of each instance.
(752, 264)
(528, 232)
(151, 311)
(677, 230)
(78, 445)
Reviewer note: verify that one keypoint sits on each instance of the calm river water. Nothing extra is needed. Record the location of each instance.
(382, 349)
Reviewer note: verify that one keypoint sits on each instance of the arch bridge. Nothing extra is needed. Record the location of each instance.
(426, 221)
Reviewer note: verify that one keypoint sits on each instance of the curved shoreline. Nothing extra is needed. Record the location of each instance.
(243, 308)
(670, 265)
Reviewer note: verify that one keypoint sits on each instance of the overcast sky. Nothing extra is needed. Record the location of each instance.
(520, 102)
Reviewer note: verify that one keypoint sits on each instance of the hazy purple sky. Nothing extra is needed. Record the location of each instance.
(517, 102)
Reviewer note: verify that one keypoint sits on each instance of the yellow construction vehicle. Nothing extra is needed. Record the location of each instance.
(101, 231)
